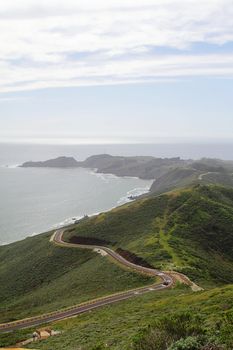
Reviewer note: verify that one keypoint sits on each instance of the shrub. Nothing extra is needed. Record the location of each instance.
(167, 330)
(189, 343)
(153, 339)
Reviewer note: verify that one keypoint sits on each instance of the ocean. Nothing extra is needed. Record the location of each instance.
(33, 200)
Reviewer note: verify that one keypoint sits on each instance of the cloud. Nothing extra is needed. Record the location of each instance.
(76, 42)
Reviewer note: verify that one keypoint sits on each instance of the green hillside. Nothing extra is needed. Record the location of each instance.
(175, 178)
(139, 323)
(204, 171)
(190, 231)
(37, 277)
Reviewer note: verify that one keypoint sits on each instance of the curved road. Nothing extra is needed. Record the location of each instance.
(167, 282)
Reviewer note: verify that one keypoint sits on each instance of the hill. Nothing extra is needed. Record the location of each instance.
(37, 277)
(142, 167)
(173, 179)
(60, 162)
(168, 173)
(204, 171)
(189, 230)
(144, 322)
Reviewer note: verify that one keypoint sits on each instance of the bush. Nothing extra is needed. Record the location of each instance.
(167, 330)
(226, 330)
(189, 343)
(153, 339)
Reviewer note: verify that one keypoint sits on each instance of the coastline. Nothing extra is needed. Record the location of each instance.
(135, 192)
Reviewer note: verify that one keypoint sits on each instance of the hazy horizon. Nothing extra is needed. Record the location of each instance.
(16, 153)
(114, 141)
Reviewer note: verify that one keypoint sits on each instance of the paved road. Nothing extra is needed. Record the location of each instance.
(167, 281)
(200, 177)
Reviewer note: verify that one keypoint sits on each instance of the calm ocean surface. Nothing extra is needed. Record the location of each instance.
(35, 200)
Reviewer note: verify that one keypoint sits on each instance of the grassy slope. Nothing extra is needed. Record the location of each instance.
(118, 324)
(37, 276)
(175, 178)
(204, 171)
(189, 230)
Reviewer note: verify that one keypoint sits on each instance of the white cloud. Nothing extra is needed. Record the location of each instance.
(76, 42)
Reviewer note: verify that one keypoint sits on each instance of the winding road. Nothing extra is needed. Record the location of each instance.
(57, 238)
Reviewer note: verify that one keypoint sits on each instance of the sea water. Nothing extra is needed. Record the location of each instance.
(34, 200)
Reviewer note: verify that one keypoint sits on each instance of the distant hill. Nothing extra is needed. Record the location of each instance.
(142, 167)
(168, 173)
(173, 179)
(204, 171)
(60, 162)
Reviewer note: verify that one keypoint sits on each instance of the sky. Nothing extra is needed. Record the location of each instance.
(112, 71)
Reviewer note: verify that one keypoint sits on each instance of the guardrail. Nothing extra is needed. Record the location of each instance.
(56, 315)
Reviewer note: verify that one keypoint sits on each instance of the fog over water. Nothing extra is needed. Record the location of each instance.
(33, 200)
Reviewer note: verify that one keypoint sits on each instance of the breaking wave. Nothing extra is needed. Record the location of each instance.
(133, 193)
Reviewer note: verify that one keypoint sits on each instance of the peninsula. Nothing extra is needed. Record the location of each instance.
(167, 173)
(144, 167)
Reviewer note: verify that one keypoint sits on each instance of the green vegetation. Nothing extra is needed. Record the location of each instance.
(38, 277)
(175, 178)
(8, 339)
(190, 231)
(124, 325)
(204, 171)
(186, 331)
